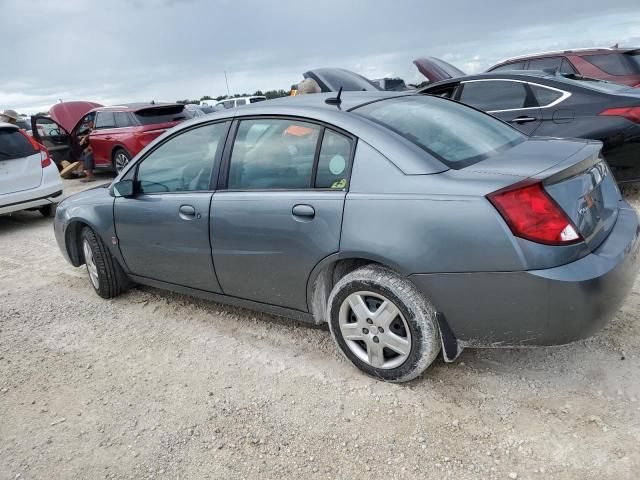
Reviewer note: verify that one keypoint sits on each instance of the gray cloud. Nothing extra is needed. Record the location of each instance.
(127, 50)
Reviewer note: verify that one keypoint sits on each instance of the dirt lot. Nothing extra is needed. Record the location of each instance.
(157, 385)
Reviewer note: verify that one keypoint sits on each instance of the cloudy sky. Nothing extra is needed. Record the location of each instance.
(137, 50)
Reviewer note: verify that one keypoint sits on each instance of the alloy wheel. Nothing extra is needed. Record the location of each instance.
(91, 264)
(375, 330)
(121, 161)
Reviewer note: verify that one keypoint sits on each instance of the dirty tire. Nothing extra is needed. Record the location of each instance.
(419, 315)
(48, 210)
(112, 281)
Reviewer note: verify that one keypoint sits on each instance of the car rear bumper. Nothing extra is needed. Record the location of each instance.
(540, 307)
(37, 199)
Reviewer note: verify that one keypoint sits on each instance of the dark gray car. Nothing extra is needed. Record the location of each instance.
(408, 223)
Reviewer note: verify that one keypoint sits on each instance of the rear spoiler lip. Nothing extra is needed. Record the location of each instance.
(569, 167)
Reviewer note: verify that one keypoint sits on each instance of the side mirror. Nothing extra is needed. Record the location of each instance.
(123, 188)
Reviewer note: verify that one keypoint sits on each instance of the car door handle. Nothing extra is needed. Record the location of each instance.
(302, 210)
(187, 212)
(108, 137)
(523, 120)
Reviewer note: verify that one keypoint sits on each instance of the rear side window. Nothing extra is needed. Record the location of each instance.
(545, 96)
(453, 133)
(542, 63)
(494, 95)
(171, 113)
(105, 120)
(241, 101)
(333, 163)
(273, 154)
(122, 119)
(614, 63)
(509, 66)
(14, 144)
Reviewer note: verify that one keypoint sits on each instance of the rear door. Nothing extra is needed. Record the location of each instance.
(278, 210)
(163, 231)
(20, 167)
(102, 137)
(509, 100)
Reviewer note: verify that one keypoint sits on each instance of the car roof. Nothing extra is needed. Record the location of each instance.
(407, 156)
(558, 53)
(133, 107)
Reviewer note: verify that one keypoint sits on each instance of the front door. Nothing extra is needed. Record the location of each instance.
(280, 212)
(163, 231)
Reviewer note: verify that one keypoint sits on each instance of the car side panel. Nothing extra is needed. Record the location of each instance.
(415, 231)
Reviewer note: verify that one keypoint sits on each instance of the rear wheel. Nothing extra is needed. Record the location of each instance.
(383, 324)
(105, 274)
(120, 159)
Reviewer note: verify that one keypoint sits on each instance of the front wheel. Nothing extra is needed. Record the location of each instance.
(383, 324)
(105, 274)
(120, 159)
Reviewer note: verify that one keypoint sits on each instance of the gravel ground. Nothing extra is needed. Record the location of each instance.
(158, 385)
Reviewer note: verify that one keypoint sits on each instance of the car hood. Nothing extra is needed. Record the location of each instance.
(68, 114)
(436, 70)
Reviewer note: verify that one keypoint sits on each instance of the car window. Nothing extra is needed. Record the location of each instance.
(273, 154)
(14, 144)
(241, 101)
(122, 119)
(105, 120)
(444, 92)
(614, 63)
(509, 66)
(333, 162)
(162, 114)
(566, 67)
(453, 133)
(542, 63)
(257, 99)
(228, 104)
(494, 95)
(545, 96)
(183, 163)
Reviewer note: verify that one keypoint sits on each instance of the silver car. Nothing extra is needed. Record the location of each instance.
(410, 224)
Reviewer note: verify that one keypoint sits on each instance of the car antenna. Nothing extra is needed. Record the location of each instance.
(334, 100)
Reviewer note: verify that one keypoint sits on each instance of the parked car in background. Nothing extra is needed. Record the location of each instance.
(24, 123)
(390, 84)
(408, 222)
(29, 180)
(558, 105)
(620, 65)
(120, 132)
(240, 101)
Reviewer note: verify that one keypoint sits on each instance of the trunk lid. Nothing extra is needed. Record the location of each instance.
(436, 70)
(20, 167)
(573, 173)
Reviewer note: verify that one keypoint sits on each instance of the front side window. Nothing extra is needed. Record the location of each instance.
(273, 154)
(494, 95)
(183, 163)
(453, 133)
(105, 120)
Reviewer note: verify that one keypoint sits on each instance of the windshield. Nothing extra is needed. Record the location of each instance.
(14, 144)
(454, 133)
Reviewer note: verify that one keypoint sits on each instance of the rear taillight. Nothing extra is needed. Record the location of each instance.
(45, 158)
(532, 214)
(630, 113)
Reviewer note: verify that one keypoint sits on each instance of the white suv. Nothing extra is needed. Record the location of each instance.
(29, 180)
(238, 101)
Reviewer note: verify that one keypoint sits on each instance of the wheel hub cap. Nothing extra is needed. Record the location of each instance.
(375, 330)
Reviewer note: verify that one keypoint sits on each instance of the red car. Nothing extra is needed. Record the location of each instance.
(620, 65)
(120, 132)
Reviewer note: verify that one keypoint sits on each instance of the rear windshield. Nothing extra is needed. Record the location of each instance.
(455, 134)
(14, 144)
(171, 113)
(593, 83)
(616, 63)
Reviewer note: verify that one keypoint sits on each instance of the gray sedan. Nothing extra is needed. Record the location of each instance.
(410, 224)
